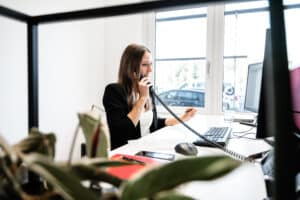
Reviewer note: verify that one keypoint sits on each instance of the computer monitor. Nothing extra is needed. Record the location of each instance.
(253, 87)
(263, 112)
(275, 102)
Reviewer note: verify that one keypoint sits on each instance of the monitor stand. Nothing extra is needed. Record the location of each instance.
(249, 124)
(270, 141)
(241, 118)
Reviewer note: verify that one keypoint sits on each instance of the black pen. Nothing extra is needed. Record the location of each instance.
(133, 160)
(188, 110)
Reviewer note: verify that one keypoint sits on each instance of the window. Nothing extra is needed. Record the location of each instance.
(244, 40)
(180, 53)
(189, 41)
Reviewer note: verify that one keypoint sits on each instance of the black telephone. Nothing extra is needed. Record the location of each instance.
(140, 76)
(267, 164)
(214, 144)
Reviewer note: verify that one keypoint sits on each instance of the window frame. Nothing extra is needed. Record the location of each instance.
(210, 97)
(214, 53)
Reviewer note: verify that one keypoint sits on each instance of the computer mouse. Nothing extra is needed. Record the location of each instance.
(186, 148)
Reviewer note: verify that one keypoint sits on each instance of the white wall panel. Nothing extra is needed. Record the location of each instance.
(13, 80)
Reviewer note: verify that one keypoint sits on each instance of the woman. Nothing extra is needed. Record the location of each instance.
(128, 104)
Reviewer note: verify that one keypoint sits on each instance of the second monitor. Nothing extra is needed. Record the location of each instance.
(252, 94)
(253, 87)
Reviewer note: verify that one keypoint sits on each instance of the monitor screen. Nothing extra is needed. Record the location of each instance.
(253, 87)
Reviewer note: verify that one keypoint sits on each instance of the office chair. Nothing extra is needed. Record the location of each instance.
(99, 111)
(295, 91)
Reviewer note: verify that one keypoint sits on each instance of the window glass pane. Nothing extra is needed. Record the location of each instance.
(292, 17)
(181, 13)
(234, 84)
(177, 82)
(246, 5)
(244, 42)
(180, 56)
(181, 38)
(291, 2)
(245, 35)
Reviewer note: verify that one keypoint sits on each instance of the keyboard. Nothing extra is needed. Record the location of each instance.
(219, 135)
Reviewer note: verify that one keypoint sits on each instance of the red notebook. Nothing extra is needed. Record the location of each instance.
(126, 172)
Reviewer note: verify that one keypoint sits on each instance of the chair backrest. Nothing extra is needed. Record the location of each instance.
(295, 91)
(96, 133)
(100, 111)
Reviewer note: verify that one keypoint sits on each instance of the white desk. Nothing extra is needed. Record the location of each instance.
(244, 183)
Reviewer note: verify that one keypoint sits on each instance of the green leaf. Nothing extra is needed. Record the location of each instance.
(8, 178)
(99, 162)
(38, 142)
(66, 184)
(7, 150)
(94, 169)
(170, 175)
(96, 134)
(92, 173)
(171, 195)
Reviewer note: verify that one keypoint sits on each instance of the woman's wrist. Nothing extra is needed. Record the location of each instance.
(140, 103)
(137, 110)
(171, 121)
(143, 99)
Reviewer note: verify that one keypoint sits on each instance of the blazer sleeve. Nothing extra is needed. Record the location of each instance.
(121, 127)
(160, 124)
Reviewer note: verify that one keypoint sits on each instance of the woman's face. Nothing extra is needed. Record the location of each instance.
(146, 64)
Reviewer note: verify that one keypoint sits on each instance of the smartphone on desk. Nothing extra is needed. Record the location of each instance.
(156, 155)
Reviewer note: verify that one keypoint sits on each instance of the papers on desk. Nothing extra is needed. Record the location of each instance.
(126, 172)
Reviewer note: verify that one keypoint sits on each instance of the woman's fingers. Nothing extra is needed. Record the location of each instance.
(146, 81)
(189, 113)
(144, 85)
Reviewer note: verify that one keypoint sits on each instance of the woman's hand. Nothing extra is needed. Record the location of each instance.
(144, 85)
(188, 114)
(139, 105)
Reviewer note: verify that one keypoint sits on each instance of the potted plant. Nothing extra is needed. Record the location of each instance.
(67, 180)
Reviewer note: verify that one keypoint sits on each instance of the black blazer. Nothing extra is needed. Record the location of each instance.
(120, 126)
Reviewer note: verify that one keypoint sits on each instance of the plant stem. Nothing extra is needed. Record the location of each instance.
(73, 143)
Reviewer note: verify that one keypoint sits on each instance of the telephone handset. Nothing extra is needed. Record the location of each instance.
(140, 76)
(267, 165)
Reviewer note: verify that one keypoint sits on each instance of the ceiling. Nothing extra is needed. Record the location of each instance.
(41, 7)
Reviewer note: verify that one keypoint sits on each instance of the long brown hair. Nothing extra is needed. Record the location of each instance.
(129, 71)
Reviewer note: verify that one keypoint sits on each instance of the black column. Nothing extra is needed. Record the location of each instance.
(33, 109)
(34, 185)
(285, 144)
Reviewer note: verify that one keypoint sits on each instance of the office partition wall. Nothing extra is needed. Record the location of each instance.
(13, 79)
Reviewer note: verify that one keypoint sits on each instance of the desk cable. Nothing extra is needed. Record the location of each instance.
(229, 152)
